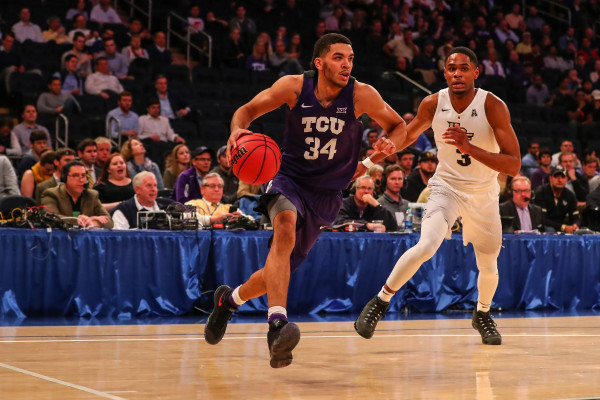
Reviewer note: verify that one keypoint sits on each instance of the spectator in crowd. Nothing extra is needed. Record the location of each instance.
(246, 26)
(71, 81)
(180, 162)
(406, 159)
(211, 208)
(135, 49)
(392, 199)
(10, 60)
(8, 179)
(103, 13)
(540, 175)
(78, 7)
(580, 112)
(363, 208)
(80, 26)
(136, 28)
(103, 148)
(101, 82)
(234, 50)
(538, 93)
(402, 47)
(372, 137)
(592, 200)
(525, 47)
(38, 142)
(146, 190)
(118, 64)
(172, 105)
(529, 161)
(84, 60)
(38, 173)
(225, 171)
(518, 214)
(281, 61)
(155, 131)
(590, 169)
(491, 64)
(25, 29)
(576, 182)
(258, 59)
(159, 55)
(554, 61)
(55, 32)
(533, 20)
(134, 154)
(62, 156)
(418, 179)
(514, 17)
(72, 202)
(188, 182)
(195, 22)
(128, 120)
(55, 101)
(87, 151)
(566, 146)
(504, 33)
(560, 205)
(23, 130)
(568, 37)
(114, 185)
(9, 144)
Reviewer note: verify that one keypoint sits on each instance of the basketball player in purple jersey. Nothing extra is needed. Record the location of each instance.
(320, 151)
(475, 141)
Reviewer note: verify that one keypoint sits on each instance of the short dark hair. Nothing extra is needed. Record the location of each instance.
(544, 150)
(77, 35)
(86, 143)
(67, 169)
(100, 59)
(48, 157)
(125, 93)
(64, 151)
(69, 57)
(324, 43)
(466, 51)
(38, 135)
(152, 101)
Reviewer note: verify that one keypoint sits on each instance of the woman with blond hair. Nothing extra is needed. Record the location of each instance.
(180, 162)
(134, 154)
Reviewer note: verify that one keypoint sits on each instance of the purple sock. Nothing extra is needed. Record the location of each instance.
(232, 302)
(275, 316)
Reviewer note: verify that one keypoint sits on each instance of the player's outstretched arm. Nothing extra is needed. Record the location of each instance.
(508, 161)
(284, 91)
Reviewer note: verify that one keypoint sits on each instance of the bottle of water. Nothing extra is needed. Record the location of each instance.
(408, 221)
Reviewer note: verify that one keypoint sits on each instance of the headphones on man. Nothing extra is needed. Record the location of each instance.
(509, 192)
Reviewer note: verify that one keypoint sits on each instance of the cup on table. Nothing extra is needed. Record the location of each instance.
(378, 226)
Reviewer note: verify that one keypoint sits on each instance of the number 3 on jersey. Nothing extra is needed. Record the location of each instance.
(315, 149)
(464, 160)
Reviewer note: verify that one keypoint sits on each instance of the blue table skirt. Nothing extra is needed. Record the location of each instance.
(137, 273)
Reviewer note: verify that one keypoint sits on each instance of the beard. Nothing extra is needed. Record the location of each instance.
(330, 76)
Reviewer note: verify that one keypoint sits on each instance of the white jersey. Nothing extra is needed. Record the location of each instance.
(461, 171)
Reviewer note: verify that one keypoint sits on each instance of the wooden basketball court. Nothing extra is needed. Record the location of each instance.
(541, 358)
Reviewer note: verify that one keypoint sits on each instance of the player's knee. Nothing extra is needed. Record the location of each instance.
(426, 248)
(487, 263)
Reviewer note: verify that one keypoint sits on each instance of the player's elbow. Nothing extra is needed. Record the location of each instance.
(514, 167)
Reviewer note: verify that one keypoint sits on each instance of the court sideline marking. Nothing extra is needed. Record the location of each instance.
(58, 381)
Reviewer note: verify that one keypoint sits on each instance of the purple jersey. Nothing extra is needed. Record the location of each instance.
(321, 145)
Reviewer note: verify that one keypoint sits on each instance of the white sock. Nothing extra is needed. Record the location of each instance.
(236, 296)
(277, 310)
(385, 295)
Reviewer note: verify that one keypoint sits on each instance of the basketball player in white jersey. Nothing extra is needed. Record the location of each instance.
(475, 141)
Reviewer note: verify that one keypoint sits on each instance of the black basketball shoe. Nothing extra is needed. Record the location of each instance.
(369, 317)
(217, 320)
(282, 338)
(483, 322)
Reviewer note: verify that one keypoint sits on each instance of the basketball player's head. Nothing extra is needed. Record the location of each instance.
(461, 70)
(333, 58)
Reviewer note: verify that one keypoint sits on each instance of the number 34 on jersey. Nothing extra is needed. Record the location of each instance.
(321, 124)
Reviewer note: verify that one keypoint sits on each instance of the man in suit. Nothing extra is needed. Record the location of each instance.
(518, 214)
(172, 105)
(87, 151)
(73, 202)
(125, 214)
(63, 156)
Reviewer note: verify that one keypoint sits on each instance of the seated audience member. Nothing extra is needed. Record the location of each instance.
(55, 32)
(180, 162)
(55, 101)
(114, 185)
(376, 174)
(156, 132)
(281, 61)
(559, 204)
(70, 81)
(103, 149)
(593, 199)
(62, 157)
(73, 202)
(234, 50)
(104, 13)
(128, 119)
(135, 49)
(418, 179)
(566, 146)
(576, 182)
(118, 64)
(38, 173)
(171, 105)
(79, 7)
(392, 199)
(187, 186)
(158, 54)
(25, 29)
(540, 175)
(529, 161)
(24, 130)
(406, 159)
(8, 179)
(363, 208)
(84, 60)
(38, 142)
(80, 26)
(258, 60)
(87, 151)
(209, 208)
(9, 144)
(125, 213)
(226, 172)
(10, 61)
(101, 82)
(134, 154)
(518, 214)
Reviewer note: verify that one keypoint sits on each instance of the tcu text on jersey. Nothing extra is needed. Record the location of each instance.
(323, 124)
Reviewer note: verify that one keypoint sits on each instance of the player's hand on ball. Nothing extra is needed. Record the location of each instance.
(232, 141)
(385, 146)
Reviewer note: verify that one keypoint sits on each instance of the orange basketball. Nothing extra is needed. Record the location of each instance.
(256, 158)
